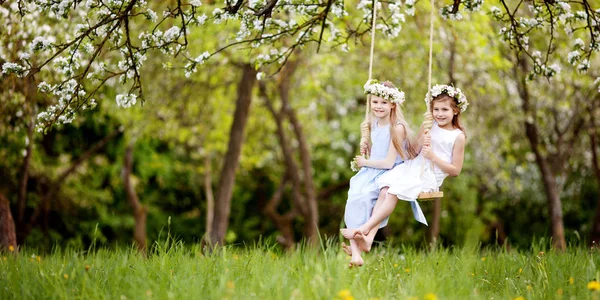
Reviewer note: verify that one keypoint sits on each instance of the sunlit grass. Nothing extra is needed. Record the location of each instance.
(173, 270)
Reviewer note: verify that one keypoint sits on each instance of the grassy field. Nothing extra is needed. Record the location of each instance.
(175, 271)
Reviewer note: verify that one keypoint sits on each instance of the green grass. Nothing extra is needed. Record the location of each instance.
(175, 271)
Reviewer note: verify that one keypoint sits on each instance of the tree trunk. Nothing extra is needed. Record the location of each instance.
(550, 185)
(595, 231)
(8, 237)
(434, 230)
(22, 198)
(554, 206)
(234, 148)
(140, 212)
(210, 198)
(282, 222)
(311, 221)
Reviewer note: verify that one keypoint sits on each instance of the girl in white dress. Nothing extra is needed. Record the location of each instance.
(442, 155)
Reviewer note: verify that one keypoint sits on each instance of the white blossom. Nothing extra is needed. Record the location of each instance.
(579, 44)
(553, 69)
(44, 87)
(573, 56)
(39, 43)
(126, 101)
(202, 57)
(583, 66)
(9, 67)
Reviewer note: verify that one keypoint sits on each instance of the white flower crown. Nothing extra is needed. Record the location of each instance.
(373, 87)
(455, 93)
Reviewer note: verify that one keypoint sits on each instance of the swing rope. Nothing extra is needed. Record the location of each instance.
(374, 17)
(427, 117)
(365, 127)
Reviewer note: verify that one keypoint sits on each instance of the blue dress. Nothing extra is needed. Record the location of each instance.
(364, 191)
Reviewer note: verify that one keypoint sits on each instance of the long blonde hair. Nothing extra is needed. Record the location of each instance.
(404, 148)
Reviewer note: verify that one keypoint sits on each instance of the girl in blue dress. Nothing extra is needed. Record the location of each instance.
(389, 146)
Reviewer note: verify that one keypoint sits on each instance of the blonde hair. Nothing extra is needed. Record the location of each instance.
(404, 148)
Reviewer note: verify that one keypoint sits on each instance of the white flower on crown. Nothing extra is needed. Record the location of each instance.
(451, 91)
(373, 87)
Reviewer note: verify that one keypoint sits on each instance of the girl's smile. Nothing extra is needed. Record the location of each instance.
(443, 113)
(381, 108)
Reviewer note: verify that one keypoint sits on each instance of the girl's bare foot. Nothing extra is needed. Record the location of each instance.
(348, 232)
(356, 262)
(364, 242)
(365, 231)
(347, 249)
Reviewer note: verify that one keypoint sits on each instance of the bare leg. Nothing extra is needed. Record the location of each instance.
(384, 211)
(365, 241)
(356, 259)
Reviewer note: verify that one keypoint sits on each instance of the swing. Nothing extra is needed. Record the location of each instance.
(428, 119)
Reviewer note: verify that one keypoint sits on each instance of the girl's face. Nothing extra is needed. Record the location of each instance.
(443, 113)
(381, 108)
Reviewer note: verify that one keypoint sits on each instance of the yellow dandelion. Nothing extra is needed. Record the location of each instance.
(593, 285)
(519, 298)
(529, 288)
(38, 258)
(344, 294)
(430, 296)
(483, 258)
(395, 265)
(66, 276)
(407, 270)
(413, 298)
(560, 292)
(473, 274)
(230, 285)
(11, 248)
(571, 280)
(520, 270)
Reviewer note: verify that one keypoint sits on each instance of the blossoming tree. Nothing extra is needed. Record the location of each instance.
(69, 49)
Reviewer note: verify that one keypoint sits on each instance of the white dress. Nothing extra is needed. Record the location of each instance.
(418, 175)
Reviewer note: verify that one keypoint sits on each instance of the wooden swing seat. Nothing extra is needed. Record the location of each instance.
(430, 196)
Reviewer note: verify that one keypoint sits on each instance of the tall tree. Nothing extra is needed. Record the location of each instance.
(140, 211)
(8, 237)
(234, 148)
(551, 154)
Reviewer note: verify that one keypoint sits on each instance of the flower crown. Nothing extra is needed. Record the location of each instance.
(392, 94)
(455, 93)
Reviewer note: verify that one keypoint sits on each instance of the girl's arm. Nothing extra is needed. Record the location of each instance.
(458, 155)
(419, 140)
(389, 160)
